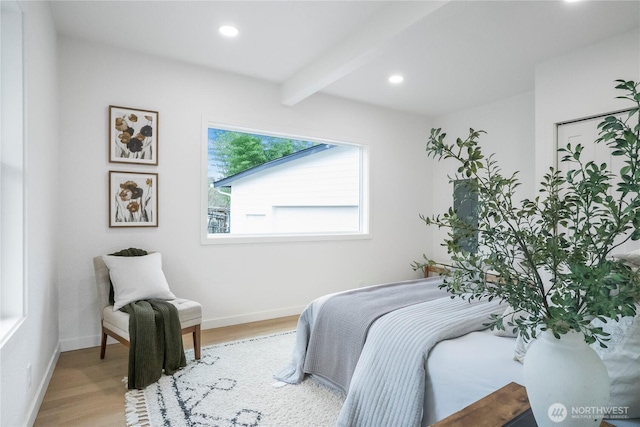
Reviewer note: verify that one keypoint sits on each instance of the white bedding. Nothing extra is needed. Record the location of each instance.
(465, 369)
(462, 370)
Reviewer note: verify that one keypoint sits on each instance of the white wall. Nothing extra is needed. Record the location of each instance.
(580, 85)
(234, 282)
(509, 124)
(521, 130)
(35, 342)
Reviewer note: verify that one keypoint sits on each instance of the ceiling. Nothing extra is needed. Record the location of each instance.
(453, 54)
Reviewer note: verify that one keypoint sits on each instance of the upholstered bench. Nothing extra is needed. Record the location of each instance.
(115, 323)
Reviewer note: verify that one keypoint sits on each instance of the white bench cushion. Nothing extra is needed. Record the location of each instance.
(190, 313)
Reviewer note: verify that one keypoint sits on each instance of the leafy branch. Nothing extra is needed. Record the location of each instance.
(552, 254)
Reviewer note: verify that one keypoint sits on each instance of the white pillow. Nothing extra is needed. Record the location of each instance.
(137, 278)
(632, 259)
(509, 315)
(622, 359)
(522, 346)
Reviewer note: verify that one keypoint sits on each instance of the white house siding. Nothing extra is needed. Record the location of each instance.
(316, 193)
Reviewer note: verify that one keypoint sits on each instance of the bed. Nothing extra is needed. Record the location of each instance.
(417, 362)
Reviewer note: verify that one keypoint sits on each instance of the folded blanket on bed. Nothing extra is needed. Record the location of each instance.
(155, 338)
(339, 331)
(294, 372)
(387, 387)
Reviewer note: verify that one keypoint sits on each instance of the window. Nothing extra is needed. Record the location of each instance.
(266, 186)
(11, 169)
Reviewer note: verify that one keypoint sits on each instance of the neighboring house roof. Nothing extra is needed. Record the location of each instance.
(226, 182)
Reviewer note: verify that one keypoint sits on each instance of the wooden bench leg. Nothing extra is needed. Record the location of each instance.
(196, 342)
(103, 344)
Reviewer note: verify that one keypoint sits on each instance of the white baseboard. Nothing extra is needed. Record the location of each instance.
(42, 388)
(80, 343)
(94, 340)
(251, 317)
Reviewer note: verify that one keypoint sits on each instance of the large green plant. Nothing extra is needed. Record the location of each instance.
(551, 255)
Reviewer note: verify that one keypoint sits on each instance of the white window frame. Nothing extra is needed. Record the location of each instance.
(13, 309)
(213, 239)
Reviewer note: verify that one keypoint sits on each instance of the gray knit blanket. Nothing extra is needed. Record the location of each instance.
(294, 372)
(387, 388)
(387, 385)
(341, 327)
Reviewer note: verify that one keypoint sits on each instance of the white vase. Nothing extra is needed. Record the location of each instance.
(567, 383)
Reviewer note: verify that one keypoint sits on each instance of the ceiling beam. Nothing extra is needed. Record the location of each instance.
(361, 46)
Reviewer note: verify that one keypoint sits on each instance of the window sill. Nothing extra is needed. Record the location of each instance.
(217, 239)
(8, 326)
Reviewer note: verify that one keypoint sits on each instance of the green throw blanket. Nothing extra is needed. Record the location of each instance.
(155, 337)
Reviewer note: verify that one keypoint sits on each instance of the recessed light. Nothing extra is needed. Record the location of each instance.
(396, 78)
(228, 31)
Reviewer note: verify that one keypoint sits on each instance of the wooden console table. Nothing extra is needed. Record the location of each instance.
(507, 406)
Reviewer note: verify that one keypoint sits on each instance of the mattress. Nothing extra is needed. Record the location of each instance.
(465, 369)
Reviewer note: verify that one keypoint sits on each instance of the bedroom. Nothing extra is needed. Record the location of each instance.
(70, 84)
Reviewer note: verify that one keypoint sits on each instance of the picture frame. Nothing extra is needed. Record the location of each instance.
(133, 136)
(133, 199)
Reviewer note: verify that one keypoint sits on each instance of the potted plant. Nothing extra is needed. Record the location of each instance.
(551, 255)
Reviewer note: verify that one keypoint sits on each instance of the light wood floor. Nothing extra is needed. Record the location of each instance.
(87, 391)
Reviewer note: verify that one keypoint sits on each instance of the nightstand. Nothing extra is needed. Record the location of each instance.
(506, 407)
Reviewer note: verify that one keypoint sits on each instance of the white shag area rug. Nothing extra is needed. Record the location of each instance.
(232, 385)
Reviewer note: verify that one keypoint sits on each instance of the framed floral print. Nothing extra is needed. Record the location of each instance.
(133, 136)
(133, 199)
